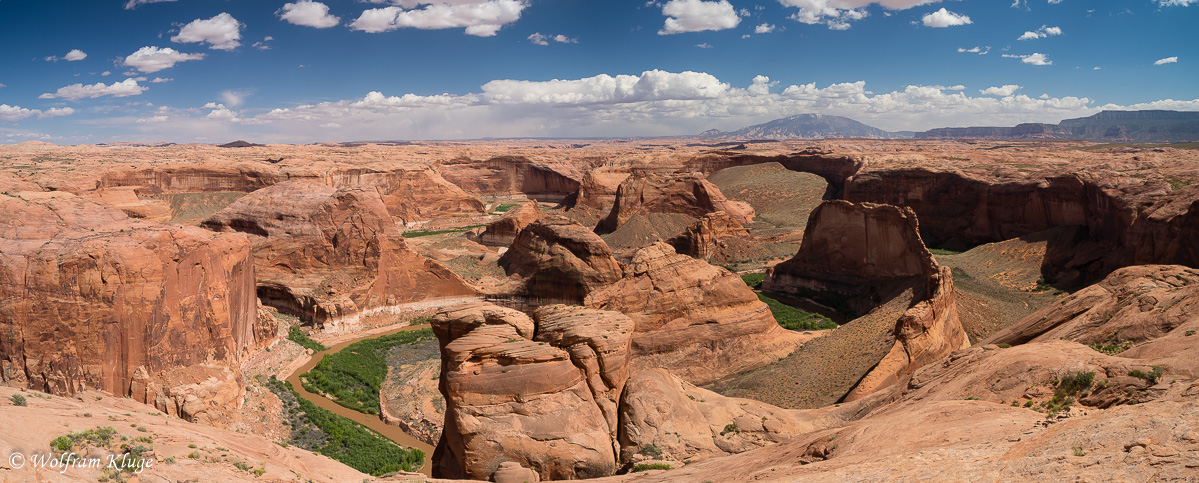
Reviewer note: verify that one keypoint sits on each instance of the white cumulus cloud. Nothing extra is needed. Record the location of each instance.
(1035, 58)
(697, 16)
(154, 59)
(1167, 60)
(764, 28)
(1001, 91)
(1177, 3)
(976, 50)
(562, 39)
(73, 55)
(944, 18)
(132, 4)
(1044, 31)
(309, 14)
(481, 18)
(222, 32)
(75, 92)
(838, 14)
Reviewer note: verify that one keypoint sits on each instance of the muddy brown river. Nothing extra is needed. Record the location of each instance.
(373, 422)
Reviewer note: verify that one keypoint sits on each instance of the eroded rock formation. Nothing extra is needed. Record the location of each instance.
(327, 255)
(559, 261)
(866, 253)
(643, 193)
(546, 402)
(694, 319)
(706, 237)
(510, 175)
(90, 298)
(502, 232)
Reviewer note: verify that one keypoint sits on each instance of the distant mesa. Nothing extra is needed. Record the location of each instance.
(1107, 126)
(241, 144)
(805, 126)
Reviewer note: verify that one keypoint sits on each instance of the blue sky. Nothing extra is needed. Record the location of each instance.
(339, 70)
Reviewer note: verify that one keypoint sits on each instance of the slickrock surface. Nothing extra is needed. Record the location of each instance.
(90, 298)
(327, 255)
(511, 175)
(29, 431)
(409, 397)
(706, 238)
(502, 232)
(1135, 304)
(694, 319)
(664, 417)
(644, 193)
(546, 403)
(558, 261)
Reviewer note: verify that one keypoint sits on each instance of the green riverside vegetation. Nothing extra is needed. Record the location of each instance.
(298, 336)
(352, 377)
(347, 441)
(787, 316)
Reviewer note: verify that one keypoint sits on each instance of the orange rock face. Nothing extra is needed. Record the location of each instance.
(502, 232)
(510, 175)
(706, 236)
(694, 319)
(559, 261)
(864, 253)
(644, 193)
(546, 402)
(328, 255)
(90, 298)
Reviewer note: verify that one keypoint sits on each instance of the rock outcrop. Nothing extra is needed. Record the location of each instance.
(411, 195)
(327, 255)
(865, 253)
(547, 402)
(502, 232)
(1131, 306)
(697, 320)
(663, 416)
(90, 298)
(558, 261)
(643, 193)
(510, 175)
(706, 237)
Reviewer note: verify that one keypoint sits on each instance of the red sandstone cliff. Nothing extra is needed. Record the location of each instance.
(643, 193)
(556, 260)
(90, 298)
(327, 254)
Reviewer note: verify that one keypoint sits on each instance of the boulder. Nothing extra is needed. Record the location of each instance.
(546, 403)
(327, 255)
(697, 320)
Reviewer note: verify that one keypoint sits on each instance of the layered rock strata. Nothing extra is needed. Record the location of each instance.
(326, 254)
(697, 320)
(545, 401)
(90, 298)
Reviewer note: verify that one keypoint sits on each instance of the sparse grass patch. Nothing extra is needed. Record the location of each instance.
(18, 400)
(503, 208)
(754, 280)
(1077, 450)
(420, 233)
(1112, 345)
(651, 450)
(1151, 376)
(942, 251)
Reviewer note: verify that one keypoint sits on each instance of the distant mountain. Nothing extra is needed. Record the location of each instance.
(804, 126)
(1107, 126)
(240, 144)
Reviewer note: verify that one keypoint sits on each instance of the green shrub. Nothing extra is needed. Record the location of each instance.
(651, 450)
(1005, 346)
(18, 400)
(352, 377)
(754, 280)
(1151, 376)
(62, 443)
(792, 318)
(730, 428)
(503, 208)
(298, 336)
(651, 466)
